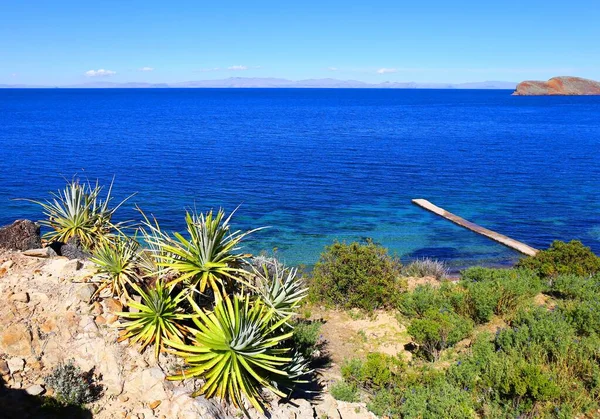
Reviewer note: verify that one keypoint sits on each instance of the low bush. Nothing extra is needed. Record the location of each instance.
(306, 337)
(498, 291)
(341, 390)
(426, 267)
(439, 399)
(539, 367)
(575, 287)
(563, 259)
(422, 299)
(71, 385)
(438, 330)
(356, 275)
(378, 371)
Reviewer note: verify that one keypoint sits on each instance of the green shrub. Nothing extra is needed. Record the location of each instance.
(377, 372)
(306, 337)
(422, 299)
(563, 259)
(439, 399)
(386, 403)
(537, 368)
(438, 330)
(341, 390)
(498, 291)
(575, 287)
(71, 385)
(356, 276)
(583, 315)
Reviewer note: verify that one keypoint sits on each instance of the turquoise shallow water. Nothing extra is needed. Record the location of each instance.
(320, 165)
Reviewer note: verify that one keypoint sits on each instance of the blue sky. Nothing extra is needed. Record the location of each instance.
(62, 42)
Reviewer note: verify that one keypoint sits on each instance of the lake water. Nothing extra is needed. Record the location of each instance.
(320, 165)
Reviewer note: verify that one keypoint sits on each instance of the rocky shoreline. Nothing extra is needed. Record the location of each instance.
(49, 316)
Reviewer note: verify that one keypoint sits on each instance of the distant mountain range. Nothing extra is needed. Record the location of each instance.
(241, 82)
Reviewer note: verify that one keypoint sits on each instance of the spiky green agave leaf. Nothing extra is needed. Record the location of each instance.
(78, 210)
(208, 256)
(280, 288)
(237, 349)
(116, 262)
(159, 317)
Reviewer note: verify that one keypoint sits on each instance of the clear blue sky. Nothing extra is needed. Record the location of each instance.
(58, 42)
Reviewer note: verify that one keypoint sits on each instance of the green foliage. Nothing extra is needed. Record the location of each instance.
(539, 367)
(280, 288)
(79, 210)
(71, 386)
(377, 372)
(426, 267)
(306, 337)
(438, 330)
(575, 287)
(424, 298)
(356, 276)
(386, 403)
(498, 291)
(436, 400)
(236, 348)
(207, 257)
(563, 259)
(159, 317)
(341, 390)
(116, 261)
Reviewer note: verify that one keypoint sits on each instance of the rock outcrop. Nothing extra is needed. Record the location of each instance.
(20, 235)
(558, 86)
(47, 318)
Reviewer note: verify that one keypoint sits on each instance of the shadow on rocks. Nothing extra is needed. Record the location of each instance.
(17, 404)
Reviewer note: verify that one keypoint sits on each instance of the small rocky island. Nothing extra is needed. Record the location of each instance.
(558, 86)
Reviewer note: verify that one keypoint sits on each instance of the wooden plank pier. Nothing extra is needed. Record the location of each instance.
(500, 238)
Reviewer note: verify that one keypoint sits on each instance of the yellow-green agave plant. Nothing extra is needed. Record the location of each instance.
(80, 211)
(116, 261)
(159, 317)
(237, 349)
(208, 257)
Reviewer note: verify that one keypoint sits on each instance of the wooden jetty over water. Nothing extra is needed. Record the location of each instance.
(502, 239)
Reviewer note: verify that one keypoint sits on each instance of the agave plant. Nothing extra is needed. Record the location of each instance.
(209, 257)
(116, 262)
(280, 288)
(154, 238)
(237, 349)
(79, 211)
(159, 317)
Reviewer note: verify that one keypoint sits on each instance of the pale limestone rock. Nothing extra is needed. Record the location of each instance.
(38, 253)
(182, 406)
(21, 297)
(15, 340)
(15, 365)
(354, 411)
(147, 385)
(84, 292)
(7, 265)
(105, 356)
(112, 305)
(327, 407)
(35, 390)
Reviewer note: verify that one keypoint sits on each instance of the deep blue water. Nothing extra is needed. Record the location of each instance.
(319, 165)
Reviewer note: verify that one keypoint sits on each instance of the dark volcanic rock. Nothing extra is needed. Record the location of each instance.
(558, 86)
(73, 249)
(20, 235)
